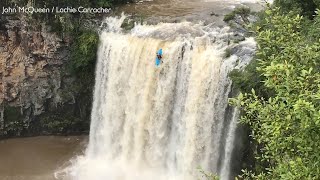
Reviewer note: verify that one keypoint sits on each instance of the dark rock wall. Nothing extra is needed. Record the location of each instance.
(34, 81)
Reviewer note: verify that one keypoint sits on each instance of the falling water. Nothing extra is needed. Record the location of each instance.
(161, 122)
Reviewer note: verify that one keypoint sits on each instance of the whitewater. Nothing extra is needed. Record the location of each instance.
(162, 122)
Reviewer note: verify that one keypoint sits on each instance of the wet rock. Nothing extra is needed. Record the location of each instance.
(237, 37)
(128, 24)
(214, 14)
(130, 21)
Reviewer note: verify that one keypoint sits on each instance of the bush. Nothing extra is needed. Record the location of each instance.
(83, 51)
(306, 7)
(242, 11)
(14, 124)
(208, 175)
(229, 17)
(64, 122)
(249, 79)
(285, 125)
(227, 53)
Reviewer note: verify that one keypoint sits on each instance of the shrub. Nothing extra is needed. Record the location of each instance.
(227, 53)
(285, 125)
(84, 49)
(242, 11)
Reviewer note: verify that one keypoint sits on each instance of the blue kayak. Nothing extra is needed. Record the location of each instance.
(158, 61)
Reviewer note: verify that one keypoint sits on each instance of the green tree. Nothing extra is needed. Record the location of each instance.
(242, 11)
(84, 50)
(304, 7)
(285, 126)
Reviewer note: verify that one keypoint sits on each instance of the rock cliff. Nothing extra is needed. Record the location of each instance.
(34, 81)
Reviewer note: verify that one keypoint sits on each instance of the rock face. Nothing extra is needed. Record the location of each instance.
(32, 79)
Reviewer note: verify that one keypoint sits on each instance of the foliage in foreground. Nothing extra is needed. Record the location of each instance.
(285, 124)
(207, 175)
(306, 8)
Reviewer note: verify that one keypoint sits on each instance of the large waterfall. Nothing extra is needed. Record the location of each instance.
(162, 122)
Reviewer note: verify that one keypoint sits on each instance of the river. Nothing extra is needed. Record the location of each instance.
(207, 11)
(37, 158)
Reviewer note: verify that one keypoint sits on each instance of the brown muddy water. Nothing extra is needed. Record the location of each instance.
(207, 11)
(37, 158)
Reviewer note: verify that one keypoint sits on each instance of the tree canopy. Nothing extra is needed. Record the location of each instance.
(304, 7)
(284, 113)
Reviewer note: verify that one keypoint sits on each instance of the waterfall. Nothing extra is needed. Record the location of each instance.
(162, 122)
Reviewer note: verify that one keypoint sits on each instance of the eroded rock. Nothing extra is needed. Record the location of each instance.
(31, 62)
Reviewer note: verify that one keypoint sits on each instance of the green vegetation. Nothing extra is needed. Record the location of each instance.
(207, 175)
(243, 12)
(14, 124)
(84, 50)
(280, 99)
(74, 26)
(227, 53)
(229, 17)
(128, 24)
(78, 32)
(62, 122)
(306, 8)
